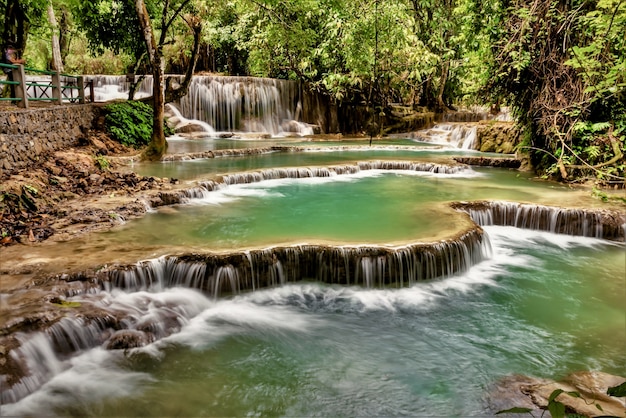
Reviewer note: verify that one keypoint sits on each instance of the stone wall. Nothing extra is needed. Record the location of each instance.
(26, 135)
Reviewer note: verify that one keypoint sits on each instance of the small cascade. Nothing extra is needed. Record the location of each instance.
(180, 124)
(374, 266)
(204, 188)
(44, 354)
(457, 135)
(111, 87)
(604, 224)
(111, 320)
(309, 172)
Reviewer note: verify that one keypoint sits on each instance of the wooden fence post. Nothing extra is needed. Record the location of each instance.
(57, 92)
(92, 92)
(81, 89)
(20, 89)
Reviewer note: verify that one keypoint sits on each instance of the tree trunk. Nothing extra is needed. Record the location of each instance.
(158, 144)
(445, 70)
(64, 32)
(171, 94)
(57, 62)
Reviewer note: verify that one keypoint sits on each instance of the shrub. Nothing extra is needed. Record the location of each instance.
(129, 123)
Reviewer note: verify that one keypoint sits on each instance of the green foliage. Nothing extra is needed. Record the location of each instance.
(562, 67)
(617, 391)
(102, 163)
(129, 122)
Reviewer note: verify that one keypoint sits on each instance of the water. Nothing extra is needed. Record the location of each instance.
(544, 305)
(373, 206)
(303, 155)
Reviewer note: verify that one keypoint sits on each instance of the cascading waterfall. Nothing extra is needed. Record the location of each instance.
(582, 222)
(456, 135)
(131, 320)
(225, 104)
(245, 104)
(131, 306)
(204, 188)
(368, 266)
(110, 87)
(308, 172)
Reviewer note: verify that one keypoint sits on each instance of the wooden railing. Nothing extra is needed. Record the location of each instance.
(50, 86)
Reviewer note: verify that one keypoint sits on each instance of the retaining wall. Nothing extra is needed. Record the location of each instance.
(26, 135)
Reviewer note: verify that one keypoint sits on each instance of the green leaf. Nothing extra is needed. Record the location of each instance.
(617, 391)
(557, 409)
(515, 410)
(554, 394)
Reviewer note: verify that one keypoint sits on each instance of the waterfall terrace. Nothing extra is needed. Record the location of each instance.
(293, 277)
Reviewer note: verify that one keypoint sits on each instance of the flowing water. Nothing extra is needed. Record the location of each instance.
(370, 207)
(543, 305)
(533, 303)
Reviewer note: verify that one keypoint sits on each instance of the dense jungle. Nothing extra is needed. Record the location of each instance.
(559, 65)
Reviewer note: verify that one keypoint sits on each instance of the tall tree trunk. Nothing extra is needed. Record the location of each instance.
(57, 62)
(64, 32)
(158, 144)
(445, 70)
(171, 94)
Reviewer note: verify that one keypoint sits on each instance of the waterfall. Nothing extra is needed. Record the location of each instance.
(605, 224)
(245, 104)
(368, 266)
(223, 103)
(145, 302)
(204, 188)
(111, 87)
(455, 135)
(308, 172)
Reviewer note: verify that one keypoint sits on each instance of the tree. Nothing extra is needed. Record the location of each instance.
(561, 65)
(142, 29)
(154, 48)
(18, 17)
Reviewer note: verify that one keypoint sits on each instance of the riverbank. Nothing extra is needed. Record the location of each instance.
(73, 191)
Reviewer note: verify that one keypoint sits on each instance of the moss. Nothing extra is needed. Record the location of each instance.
(64, 303)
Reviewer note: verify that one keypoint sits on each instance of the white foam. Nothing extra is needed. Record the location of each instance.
(93, 376)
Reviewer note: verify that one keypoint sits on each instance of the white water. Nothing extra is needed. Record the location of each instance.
(113, 87)
(96, 375)
(225, 104)
(452, 135)
(174, 114)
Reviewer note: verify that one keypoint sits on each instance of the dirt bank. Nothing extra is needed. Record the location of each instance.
(73, 191)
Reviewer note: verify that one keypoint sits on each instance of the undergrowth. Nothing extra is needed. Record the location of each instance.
(131, 123)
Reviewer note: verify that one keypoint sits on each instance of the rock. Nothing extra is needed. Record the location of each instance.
(126, 339)
(190, 127)
(534, 393)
